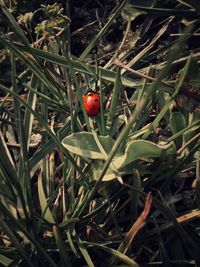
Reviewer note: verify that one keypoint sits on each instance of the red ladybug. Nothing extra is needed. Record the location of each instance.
(91, 103)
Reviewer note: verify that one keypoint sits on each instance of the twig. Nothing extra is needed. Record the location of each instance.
(44, 37)
(15, 145)
(159, 66)
(83, 28)
(8, 98)
(196, 137)
(137, 73)
(122, 65)
(136, 226)
(189, 34)
(189, 216)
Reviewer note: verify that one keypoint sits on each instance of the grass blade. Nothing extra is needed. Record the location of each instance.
(114, 253)
(61, 246)
(107, 75)
(85, 253)
(43, 201)
(15, 241)
(102, 32)
(114, 101)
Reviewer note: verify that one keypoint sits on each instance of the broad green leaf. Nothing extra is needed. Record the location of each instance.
(193, 75)
(129, 12)
(84, 144)
(133, 118)
(177, 123)
(95, 171)
(117, 124)
(142, 149)
(186, 131)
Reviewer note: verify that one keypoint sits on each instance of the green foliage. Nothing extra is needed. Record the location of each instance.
(72, 186)
(56, 22)
(86, 145)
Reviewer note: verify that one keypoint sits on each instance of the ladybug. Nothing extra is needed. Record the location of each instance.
(91, 103)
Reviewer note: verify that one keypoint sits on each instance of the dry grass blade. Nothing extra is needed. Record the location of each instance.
(195, 214)
(195, 138)
(138, 73)
(136, 226)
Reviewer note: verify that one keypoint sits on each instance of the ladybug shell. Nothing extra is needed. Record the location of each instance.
(91, 103)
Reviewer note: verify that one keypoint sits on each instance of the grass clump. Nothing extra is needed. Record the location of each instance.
(122, 186)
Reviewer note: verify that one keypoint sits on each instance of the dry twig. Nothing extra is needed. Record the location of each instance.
(136, 226)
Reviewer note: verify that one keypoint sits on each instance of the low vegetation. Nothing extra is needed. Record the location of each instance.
(120, 188)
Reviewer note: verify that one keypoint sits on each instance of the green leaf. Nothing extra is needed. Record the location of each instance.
(177, 123)
(85, 253)
(142, 149)
(103, 31)
(135, 194)
(13, 24)
(61, 246)
(13, 238)
(95, 171)
(28, 120)
(158, 12)
(43, 201)
(117, 254)
(193, 75)
(130, 12)
(77, 65)
(33, 66)
(42, 121)
(9, 175)
(191, 3)
(44, 150)
(114, 101)
(5, 261)
(197, 186)
(170, 100)
(18, 224)
(133, 118)
(68, 221)
(84, 144)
